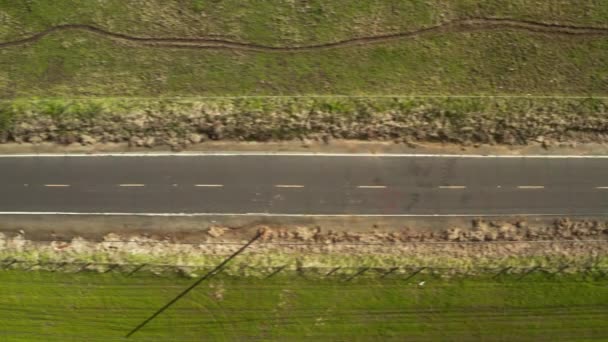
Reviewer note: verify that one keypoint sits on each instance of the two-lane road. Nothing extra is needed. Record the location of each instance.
(304, 185)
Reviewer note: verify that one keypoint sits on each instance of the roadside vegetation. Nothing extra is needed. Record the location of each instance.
(559, 247)
(180, 122)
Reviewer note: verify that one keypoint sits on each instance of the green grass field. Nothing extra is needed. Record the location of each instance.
(488, 60)
(105, 307)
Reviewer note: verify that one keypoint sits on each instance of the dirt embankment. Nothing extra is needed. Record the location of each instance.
(479, 231)
(494, 244)
(514, 122)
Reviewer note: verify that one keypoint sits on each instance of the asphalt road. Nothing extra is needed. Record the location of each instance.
(306, 185)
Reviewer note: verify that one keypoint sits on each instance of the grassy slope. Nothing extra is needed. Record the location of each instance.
(281, 22)
(72, 63)
(104, 307)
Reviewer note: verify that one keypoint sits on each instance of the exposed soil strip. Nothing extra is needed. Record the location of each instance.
(461, 25)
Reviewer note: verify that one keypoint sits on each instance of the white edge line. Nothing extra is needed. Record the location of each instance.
(281, 215)
(295, 154)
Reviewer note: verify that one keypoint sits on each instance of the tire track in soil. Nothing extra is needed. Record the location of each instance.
(461, 25)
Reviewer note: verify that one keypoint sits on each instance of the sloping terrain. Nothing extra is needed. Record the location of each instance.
(151, 48)
(303, 22)
(461, 25)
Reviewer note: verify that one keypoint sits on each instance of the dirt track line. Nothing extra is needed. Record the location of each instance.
(461, 25)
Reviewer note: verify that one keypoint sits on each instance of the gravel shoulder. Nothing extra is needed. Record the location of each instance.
(335, 146)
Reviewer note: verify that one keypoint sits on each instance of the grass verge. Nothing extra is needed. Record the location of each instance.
(104, 307)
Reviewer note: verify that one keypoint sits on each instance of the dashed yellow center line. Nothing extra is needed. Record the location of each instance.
(209, 185)
(57, 185)
(371, 186)
(453, 187)
(289, 186)
(131, 185)
(530, 187)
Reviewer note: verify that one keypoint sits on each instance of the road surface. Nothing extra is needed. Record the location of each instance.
(304, 185)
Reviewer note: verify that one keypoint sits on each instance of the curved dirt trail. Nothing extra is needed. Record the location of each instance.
(462, 25)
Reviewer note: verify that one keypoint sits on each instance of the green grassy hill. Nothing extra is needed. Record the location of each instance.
(245, 47)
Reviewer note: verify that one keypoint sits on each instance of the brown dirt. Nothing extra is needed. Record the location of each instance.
(444, 246)
(483, 245)
(452, 230)
(336, 146)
